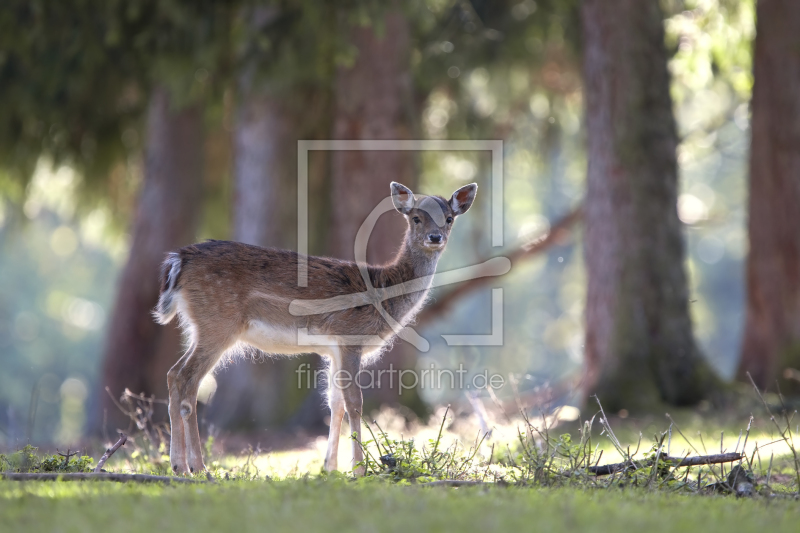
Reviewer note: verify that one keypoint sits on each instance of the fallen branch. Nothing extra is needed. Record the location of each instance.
(677, 462)
(123, 438)
(558, 233)
(99, 476)
(454, 483)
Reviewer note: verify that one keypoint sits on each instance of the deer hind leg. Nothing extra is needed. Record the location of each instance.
(196, 364)
(177, 439)
(353, 402)
(336, 403)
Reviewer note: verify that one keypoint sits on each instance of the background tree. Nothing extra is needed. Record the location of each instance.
(771, 345)
(179, 47)
(639, 345)
(139, 351)
(283, 70)
(373, 101)
(82, 92)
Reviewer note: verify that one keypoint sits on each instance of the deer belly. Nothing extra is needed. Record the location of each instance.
(270, 338)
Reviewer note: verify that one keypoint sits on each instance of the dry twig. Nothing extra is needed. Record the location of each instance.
(454, 483)
(677, 462)
(123, 438)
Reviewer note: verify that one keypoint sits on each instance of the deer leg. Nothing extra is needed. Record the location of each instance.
(353, 402)
(336, 401)
(202, 360)
(177, 439)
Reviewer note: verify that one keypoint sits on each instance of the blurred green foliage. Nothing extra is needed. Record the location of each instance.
(76, 75)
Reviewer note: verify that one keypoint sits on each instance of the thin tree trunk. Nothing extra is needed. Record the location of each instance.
(370, 104)
(139, 352)
(268, 125)
(639, 345)
(265, 172)
(249, 395)
(373, 101)
(269, 121)
(771, 345)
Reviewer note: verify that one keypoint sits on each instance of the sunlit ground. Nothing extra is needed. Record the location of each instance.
(690, 435)
(287, 491)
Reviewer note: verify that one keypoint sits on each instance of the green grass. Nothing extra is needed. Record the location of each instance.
(369, 505)
(540, 471)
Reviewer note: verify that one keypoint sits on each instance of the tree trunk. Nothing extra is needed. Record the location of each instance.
(270, 119)
(268, 125)
(139, 352)
(639, 345)
(373, 101)
(771, 345)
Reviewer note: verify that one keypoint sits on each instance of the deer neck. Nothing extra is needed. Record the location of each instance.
(413, 262)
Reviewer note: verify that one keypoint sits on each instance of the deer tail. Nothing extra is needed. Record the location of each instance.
(167, 306)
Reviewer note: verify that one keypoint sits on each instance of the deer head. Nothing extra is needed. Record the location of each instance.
(430, 218)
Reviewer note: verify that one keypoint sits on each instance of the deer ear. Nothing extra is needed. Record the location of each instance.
(462, 199)
(402, 198)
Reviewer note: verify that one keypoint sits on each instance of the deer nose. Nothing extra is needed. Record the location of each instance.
(435, 238)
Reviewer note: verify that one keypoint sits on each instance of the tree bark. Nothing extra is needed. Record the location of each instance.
(373, 101)
(639, 345)
(270, 119)
(138, 352)
(771, 344)
(268, 125)
(371, 104)
(249, 395)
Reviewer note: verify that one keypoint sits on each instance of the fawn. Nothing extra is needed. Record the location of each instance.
(228, 293)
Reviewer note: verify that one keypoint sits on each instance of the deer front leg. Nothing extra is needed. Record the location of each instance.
(353, 405)
(336, 404)
(353, 402)
(336, 401)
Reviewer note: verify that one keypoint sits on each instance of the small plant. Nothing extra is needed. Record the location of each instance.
(404, 460)
(541, 459)
(27, 460)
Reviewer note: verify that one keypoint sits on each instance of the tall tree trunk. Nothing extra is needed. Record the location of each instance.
(373, 101)
(139, 352)
(249, 395)
(269, 121)
(639, 345)
(771, 345)
(268, 125)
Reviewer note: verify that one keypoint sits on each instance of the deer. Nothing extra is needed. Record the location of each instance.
(230, 295)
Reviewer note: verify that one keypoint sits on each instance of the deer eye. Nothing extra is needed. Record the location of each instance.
(416, 220)
(449, 220)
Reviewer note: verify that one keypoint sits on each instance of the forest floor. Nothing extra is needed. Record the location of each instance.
(529, 473)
